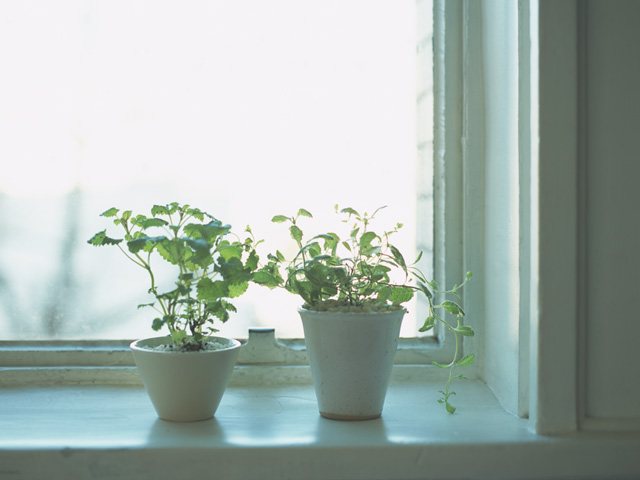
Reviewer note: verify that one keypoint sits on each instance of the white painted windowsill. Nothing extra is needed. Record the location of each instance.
(91, 431)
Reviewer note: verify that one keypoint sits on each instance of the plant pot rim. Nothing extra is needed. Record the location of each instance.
(354, 314)
(233, 344)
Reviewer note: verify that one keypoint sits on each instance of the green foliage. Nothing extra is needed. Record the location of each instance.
(212, 264)
(363, 270)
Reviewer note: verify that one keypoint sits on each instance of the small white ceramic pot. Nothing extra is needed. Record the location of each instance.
(351, 356)
(185, 386)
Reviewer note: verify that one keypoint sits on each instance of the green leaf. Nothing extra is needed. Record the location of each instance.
(450, 408)
(466, 361)
(366, 239)
(304, 213)
(159, 210)
(280, 219)
(469, 275)
(452, 307)
(464, 330)
(429, 323)
(397, 256)
(384, 293)
(252, 261)
(209, 290)
(143, 305)
(350, 211)
(143, 243)
(440, 365)
(238, 289)
(266, 279)
(424, 289)
(296, 233)
(100, 239)
(230, 250)
(112, 212)
(400, 295)
(178, 336)
(173, 250)
(151, 222)
(157, 324)
(126, 215)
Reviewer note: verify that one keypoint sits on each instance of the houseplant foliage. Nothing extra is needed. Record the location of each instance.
(363, 271)
(212, 264)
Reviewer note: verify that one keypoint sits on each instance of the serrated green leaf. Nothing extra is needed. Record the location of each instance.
(112, 212)
(266, 279)
(100, 239)
(210, 290)
(466, 361)
(159, 210)
(252, 261)
(280, 219)
(126, 215)
(238, 289)
(178, 336)
(230, 250)
(157, 324)
(143, 243)
(151, 222)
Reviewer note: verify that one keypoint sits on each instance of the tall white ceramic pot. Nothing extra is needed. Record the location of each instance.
(351, 356)
(185, 386)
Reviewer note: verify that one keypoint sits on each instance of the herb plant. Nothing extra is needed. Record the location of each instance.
(363, 271)
(213, 265)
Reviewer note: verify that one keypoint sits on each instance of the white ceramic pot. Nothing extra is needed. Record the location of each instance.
(351, 356)
(185, 386)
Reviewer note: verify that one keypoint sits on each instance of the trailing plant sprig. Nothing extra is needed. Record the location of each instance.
(363, 271)
(212, 266)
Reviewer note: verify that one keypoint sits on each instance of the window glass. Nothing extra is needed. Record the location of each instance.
(243, 109)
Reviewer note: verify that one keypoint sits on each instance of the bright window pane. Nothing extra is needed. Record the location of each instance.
(244, 109)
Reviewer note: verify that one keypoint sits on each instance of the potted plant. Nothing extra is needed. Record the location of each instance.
(186, 372)
(353, 291)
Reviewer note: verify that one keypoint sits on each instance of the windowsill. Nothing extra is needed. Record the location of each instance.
(276, 432)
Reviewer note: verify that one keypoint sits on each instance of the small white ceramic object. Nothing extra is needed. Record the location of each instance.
(185, 386)
(351, 356)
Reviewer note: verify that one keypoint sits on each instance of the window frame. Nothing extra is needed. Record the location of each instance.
(448, 249)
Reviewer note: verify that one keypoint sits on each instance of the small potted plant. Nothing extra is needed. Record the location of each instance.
(186, 372)
(353, 291)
